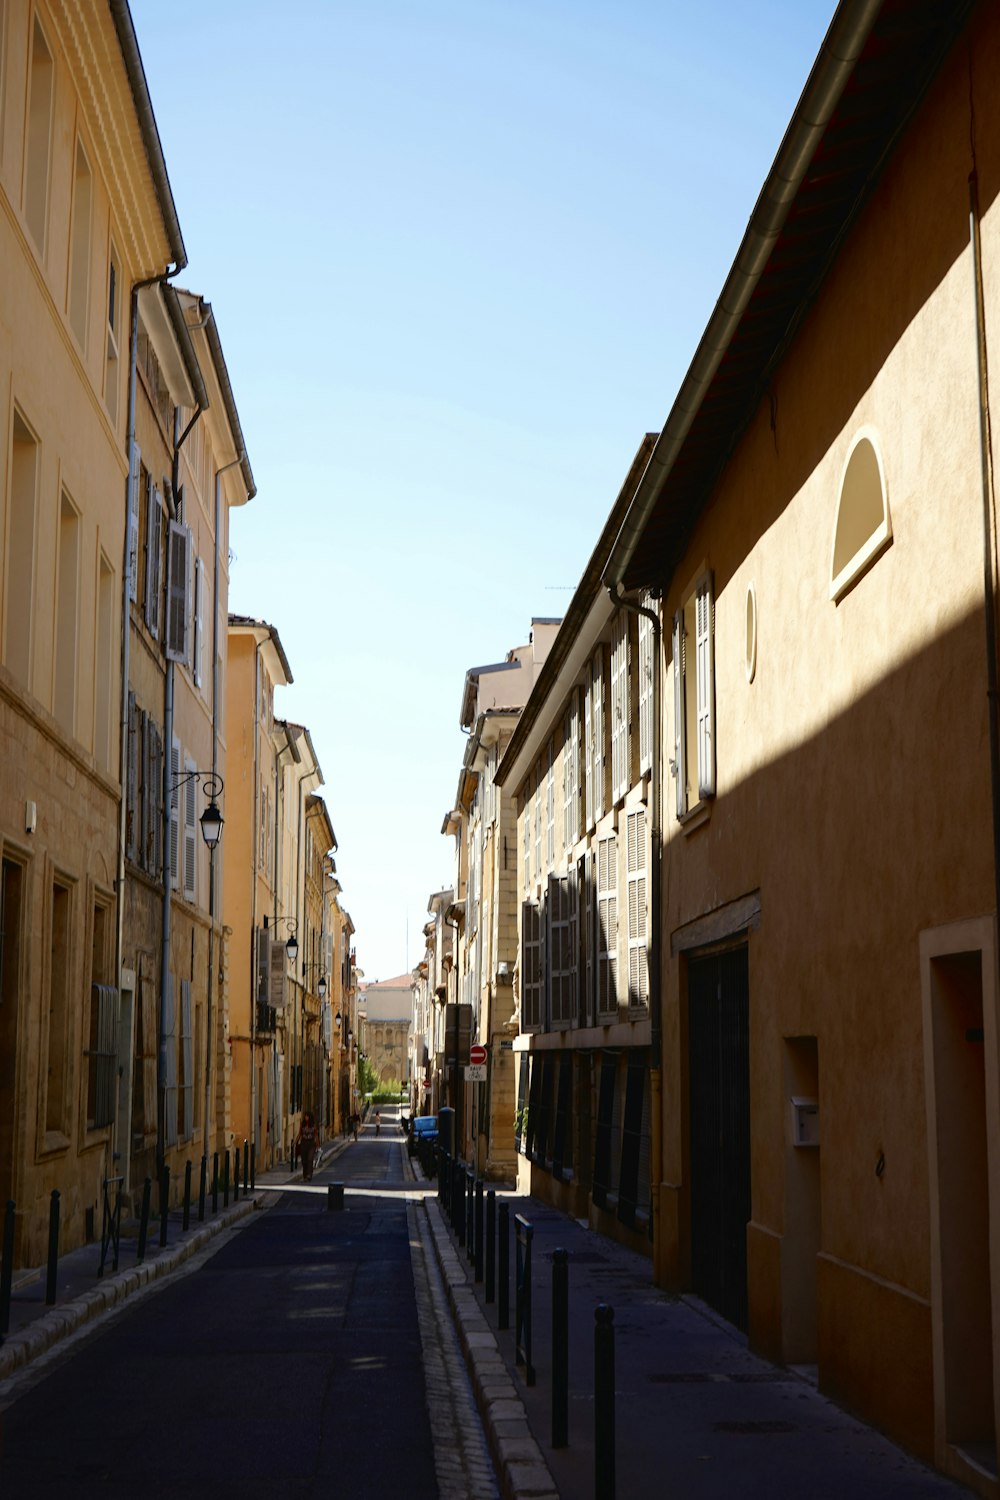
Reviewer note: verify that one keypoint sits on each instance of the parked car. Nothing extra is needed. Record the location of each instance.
(423, 1142)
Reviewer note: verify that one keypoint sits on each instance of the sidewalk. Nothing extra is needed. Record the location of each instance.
(82, 1295)
(697, 1414)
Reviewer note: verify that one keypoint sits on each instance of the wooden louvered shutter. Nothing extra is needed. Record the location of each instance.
(705, 675)
(638, 960)
(679, 768)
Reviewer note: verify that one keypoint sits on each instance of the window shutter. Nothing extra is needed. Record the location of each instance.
(168, 1063)
(680, 768)
(153, 514)
(187, 1060)
(588, 755)
(646, 667)
(199, 622)
(607, 924)
(263, 965)
(598, 681)
(132, 783)
(638, 960)
(705, 676)
(178, 592)
(279, 968)
(550, 807)
(190, 790)
(538, 821)
(133, 524)
(175, 811)
(156, 796)
(618, 672)
(526, 815)
(148, 790)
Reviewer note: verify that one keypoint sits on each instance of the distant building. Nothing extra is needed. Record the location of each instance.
(386, 1007)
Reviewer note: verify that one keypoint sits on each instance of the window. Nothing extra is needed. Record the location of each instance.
(620, 707)
(198, 655)
(526, 819)
(550, 807)
(638, 958)
(153, 504)
(571, 773)
(538, 822)
(79, 254)
(104, 662)
(21, 552)
(694, 698)
(134, 532)
(112, 370)
(647, 666)
(178, 592)
(607, 924)
(864, 528)
(67, 614)
(58, 1016)
(36, 166)
(531, 964)
(102, 1052)
(562, 910)
(594, 740)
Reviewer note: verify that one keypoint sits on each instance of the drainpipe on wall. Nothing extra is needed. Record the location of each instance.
(986, 465)
(655, 925)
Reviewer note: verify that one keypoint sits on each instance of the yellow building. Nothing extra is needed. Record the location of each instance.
(86, 214)
(818, 517)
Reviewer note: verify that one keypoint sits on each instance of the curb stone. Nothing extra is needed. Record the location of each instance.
(520, 1464)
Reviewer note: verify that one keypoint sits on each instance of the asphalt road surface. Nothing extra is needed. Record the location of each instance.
(287, 1363)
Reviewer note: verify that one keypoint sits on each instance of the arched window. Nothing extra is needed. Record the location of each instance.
(863, 525)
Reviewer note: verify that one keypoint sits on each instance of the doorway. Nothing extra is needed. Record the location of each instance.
(719, 1128)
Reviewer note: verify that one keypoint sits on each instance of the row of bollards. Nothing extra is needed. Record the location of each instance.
(111, 1221)
(482, 1227)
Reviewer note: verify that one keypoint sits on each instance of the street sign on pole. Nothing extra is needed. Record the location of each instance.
(475, 1073)
(477, 1054)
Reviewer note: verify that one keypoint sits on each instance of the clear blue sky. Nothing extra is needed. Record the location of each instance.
(460, 253)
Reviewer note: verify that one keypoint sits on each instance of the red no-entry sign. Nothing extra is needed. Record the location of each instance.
(477, 1054)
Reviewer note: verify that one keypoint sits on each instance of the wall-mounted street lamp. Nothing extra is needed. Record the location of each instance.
(211, 819)
(321, 986)
(292, 942)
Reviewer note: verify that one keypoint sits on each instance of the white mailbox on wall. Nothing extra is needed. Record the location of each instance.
(805, 1122)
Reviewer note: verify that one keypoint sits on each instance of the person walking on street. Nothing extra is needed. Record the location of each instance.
(307, 1142)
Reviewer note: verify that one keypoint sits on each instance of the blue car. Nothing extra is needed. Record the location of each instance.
(423, 1141)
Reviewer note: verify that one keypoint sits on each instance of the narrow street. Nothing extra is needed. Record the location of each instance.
(290, 1360)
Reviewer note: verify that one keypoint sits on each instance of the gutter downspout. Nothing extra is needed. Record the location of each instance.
(655, 927)
(986, 464)
(210, 1053)
(254, 856)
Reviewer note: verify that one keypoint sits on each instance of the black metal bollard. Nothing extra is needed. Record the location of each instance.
(503, 1270)
(253, 1166)
(202, 1187)
(140, 1244)
(225, 1180)
(560, 1348)
(186, 1221)
(334, 1196)
(491, 1244)
(470, 1213)
(236, 1174)
(524, 1233)
(604, 1403)
(164, 1204)
(444, 1176)
(53, 1263)
(7, 1268)
(460, 1182)
(246, 1166)
(215, 1182)
(479, 1231)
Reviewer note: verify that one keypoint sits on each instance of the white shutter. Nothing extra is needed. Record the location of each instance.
(598, 712)
(619, 669)
(588, 755)
(190, 790)
(538, 821)
(175, 810)
(526, 815)
(680, 767)
(607, 924)
(646, 668)
(705, 676)
(154, 524)
(197, 664)
(168, 1063)
(178, 592)
(550, 807)
(638, 961)
(133, 524)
